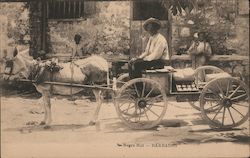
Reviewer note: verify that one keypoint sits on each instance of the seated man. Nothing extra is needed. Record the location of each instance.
(155, 53)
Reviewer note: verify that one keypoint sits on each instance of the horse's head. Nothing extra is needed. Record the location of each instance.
(15, 67)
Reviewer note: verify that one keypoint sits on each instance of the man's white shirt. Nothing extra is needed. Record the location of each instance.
(157, 48)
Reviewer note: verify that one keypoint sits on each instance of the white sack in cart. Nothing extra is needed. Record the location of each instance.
(186, 74)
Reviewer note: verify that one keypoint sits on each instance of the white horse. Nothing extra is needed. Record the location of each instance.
(93, 69)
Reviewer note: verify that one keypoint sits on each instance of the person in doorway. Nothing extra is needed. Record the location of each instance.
(200, 50)
(77, 51)
(155, 53)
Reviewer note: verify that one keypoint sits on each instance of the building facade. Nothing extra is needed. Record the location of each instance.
(114, 28)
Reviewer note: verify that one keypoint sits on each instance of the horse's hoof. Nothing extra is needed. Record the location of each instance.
(31, 123)
(72, 99)
(36, 111)
(47, 127)
(92, 123)
(25, 131)
(42, 123)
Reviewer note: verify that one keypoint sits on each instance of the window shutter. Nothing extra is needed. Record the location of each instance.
(89, 8)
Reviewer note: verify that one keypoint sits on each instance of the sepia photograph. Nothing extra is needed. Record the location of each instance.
(124, 78)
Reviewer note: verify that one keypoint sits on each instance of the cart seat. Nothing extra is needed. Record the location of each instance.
(186, 74)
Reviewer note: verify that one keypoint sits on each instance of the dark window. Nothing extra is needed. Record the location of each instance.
(143, 10)
(65, 9)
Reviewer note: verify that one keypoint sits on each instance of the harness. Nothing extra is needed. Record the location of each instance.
(9, 64)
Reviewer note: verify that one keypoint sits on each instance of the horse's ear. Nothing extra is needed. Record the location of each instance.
(15, 52)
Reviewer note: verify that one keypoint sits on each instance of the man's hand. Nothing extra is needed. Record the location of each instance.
(133, 59)
(147, 58)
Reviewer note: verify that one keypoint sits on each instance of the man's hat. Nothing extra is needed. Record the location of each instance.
(154, 21)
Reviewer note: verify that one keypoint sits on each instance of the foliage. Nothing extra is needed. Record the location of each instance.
(18, 22)
(178, 6)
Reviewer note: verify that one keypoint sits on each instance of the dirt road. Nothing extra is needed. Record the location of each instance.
(181, 133)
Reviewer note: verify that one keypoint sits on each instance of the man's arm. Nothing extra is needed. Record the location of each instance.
(190, 50)
(143, 55)
(208, 49)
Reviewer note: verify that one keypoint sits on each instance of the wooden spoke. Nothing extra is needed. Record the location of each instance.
(212, 107)
(128, 104)
(237, 111)
(154, 98)
(211, 99)
(223, 116)
(146, 113)
(139, 115)
(210, 91)
(221, 91)
(129, 96)
(217, 112)
(231, 115)
(241, 105)
(128, 108)
(149, 92)
(238, 97)
(137, 92)
(129, 118)
(156, 105)
(123, 104)
(143, 89)
(153, 112)
(234, 91)
(228, 86)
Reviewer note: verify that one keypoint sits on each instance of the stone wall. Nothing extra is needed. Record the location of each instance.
(105, 31)
(227, 30)
(14, 25)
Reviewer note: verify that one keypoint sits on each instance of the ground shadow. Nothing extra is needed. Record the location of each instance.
(39, 128)
(185, 115)
(120, 127)
(173, 123)
(209, 130)
(239, 139)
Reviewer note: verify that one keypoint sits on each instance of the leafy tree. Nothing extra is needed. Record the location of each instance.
(177, 6)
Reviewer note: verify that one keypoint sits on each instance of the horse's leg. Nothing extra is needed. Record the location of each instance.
(97, 94)
(47, 107)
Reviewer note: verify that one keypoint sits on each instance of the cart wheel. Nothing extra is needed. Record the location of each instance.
(121, 80)
(141, 103)
(200, 81)
(231, 96)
